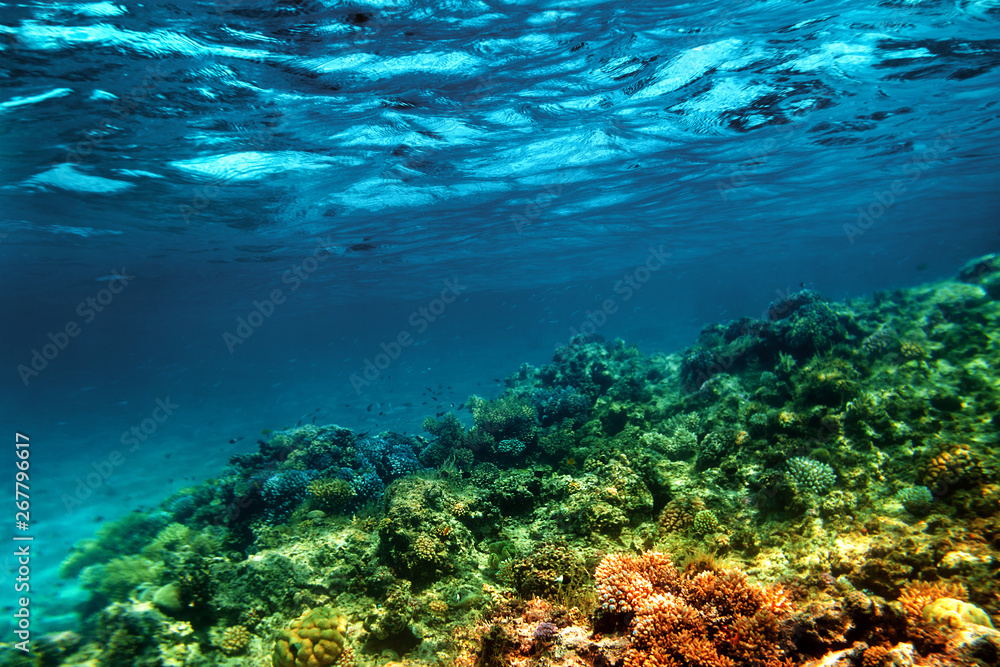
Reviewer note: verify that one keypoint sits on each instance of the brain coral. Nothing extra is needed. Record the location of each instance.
(315, 639)
(955, 613)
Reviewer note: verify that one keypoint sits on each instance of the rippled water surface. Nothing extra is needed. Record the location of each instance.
(519, 143)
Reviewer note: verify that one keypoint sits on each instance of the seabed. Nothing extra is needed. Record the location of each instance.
(815, 487)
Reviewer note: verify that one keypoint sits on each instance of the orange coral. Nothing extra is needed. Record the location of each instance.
(918, 594)
(950, 467)
(711, 618)
(876, 656)
(620, 586)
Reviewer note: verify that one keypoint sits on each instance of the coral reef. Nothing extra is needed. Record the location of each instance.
(811, 476)
(318, 638)
(234, 640)
(711, 617)
(917, 500)
(816, 486)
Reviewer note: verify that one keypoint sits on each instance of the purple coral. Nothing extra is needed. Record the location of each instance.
(545, 631)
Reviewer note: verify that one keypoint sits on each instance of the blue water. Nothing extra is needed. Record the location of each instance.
(218, 218)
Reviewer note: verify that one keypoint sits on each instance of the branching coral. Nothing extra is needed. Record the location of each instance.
(713, 618)
(330, 492)
(810, 476)
(507, 417)
(918, 594)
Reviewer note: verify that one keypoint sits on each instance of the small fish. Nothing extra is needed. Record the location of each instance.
(461, 405)
(922, 267)
(369, 409)
(115, 275)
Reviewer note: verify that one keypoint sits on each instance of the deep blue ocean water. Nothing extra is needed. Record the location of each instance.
(219, 218)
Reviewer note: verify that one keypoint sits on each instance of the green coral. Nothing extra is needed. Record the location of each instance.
(500, 551)
(814, 328)
(607, 499)
(508, 416)
(811, 476)
(550, 569)
(176, 539)
(449, 441)
(916, 499)
(510, 447)
(331, 492)
(117, 578)
(233, 640)
(679, 438)
(419, 536)
(125, 536)
(448, 430)
(705, 521)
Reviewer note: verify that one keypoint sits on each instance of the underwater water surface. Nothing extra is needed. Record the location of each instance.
(222, 222)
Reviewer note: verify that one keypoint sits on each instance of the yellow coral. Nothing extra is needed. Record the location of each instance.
(955, 613)
(234, 640)
(315, 639)
(950, 467)
(331, 492)
(438, 607)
